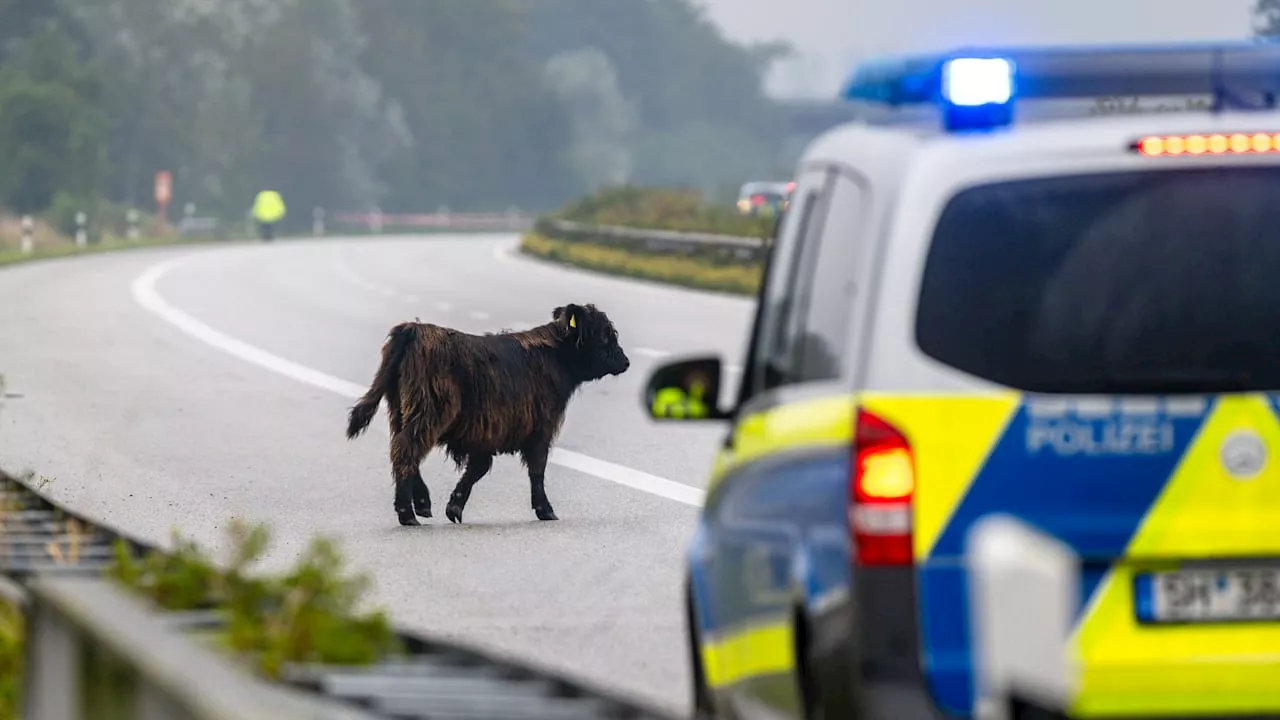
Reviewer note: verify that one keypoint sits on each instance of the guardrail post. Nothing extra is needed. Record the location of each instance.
(28, 234)
(51, 683)
(1024, 591)
(442, 216)
(132, 219)
(375, 220)
(82, 236)
(317, 221)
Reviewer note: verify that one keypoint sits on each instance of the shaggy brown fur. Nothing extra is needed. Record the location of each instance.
(479, 396)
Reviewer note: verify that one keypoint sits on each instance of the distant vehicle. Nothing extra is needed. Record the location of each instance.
(763, 198)
(1068, 318)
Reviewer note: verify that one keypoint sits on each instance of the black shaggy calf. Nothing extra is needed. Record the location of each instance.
(483, 395)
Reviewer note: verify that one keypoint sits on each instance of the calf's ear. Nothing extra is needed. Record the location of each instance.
(570, 319)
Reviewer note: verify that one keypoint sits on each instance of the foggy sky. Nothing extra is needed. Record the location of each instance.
(830, 35)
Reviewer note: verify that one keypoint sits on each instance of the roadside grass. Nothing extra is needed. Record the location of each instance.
(687, 271)
(50, 251)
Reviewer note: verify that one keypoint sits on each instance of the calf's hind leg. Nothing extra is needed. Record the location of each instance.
(421, 495)
(477, 467)
(407, 453)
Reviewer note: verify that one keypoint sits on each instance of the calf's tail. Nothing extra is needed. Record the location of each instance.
(399, 342)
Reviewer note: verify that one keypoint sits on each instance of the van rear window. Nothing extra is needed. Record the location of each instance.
(1136, 282)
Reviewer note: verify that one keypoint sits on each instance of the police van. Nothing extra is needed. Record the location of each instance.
(1039, 282)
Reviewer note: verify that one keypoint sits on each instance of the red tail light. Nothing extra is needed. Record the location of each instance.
(882, 485)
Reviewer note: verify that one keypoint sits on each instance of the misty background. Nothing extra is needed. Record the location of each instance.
(830, 36)
(474, 105)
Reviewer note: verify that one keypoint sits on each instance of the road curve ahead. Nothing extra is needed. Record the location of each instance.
(179, 388)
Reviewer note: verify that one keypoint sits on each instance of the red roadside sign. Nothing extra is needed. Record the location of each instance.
(164, 187)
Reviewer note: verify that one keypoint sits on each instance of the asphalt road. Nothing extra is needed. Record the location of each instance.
(178, 388)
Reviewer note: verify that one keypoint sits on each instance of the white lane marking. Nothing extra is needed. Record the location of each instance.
(651, 352)
(145, 294)
(478, 315)
(349, 275)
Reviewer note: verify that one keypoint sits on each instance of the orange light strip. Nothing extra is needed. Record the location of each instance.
(1218, 144)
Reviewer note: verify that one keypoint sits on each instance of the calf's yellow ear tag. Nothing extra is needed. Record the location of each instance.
(573, 322)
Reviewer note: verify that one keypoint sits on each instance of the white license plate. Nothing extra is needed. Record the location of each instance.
(1213, 595)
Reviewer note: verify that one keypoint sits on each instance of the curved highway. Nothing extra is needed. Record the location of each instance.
(178, 388)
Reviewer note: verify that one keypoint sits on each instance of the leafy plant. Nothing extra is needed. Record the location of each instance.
(306, 615)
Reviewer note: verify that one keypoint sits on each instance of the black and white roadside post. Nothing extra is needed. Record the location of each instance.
(28, 235)
(1024, 589)
(131, 218)
(317, 221)
(375, 220)
(82, 235)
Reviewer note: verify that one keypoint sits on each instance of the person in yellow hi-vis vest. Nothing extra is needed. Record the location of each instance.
(268, 209)
(675, 402)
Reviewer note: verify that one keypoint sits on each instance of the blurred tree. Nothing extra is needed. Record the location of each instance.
(488, 130)
(683, 78)
(326, 129)
(602, 119)
(51, 131)
(347, 103)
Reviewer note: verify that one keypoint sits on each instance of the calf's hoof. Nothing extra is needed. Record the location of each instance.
(407, 517)
(545, 513)
(453, 512)
(423, 509)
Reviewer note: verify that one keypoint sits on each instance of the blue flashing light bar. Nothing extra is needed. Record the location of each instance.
(977, 88)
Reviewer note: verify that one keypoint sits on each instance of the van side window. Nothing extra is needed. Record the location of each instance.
(827, 300)
(773, 358)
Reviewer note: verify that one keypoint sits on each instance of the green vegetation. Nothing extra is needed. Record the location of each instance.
(679, 209)
(694, 272)
(309, 614)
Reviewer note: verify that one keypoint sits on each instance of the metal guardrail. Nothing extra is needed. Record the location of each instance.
(741, 247)
(94, 650)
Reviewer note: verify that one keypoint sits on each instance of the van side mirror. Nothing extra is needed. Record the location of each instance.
(685, 390)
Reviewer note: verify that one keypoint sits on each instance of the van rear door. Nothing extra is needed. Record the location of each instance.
(1134, 317)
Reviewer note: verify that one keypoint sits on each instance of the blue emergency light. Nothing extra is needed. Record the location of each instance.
(978, 89)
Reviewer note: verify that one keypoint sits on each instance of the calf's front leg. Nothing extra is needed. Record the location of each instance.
(536, 460)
